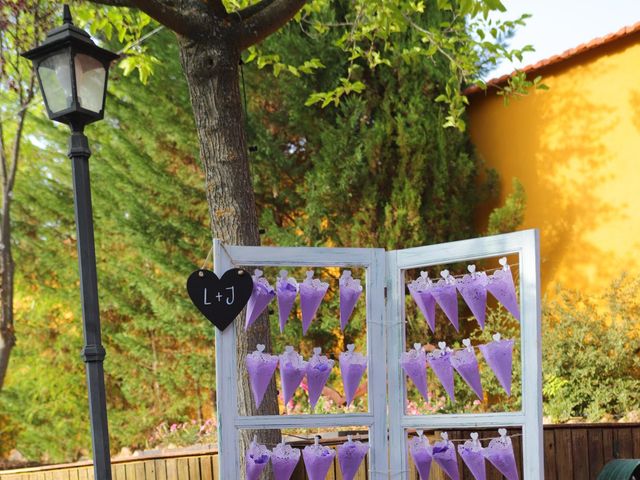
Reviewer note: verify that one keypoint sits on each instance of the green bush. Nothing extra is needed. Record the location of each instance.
(591, 353)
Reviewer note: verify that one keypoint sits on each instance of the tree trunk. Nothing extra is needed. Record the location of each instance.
(211, 68)
(7, 335)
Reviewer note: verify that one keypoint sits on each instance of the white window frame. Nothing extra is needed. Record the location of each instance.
(386, 419)
(526, 245)
(375, 420)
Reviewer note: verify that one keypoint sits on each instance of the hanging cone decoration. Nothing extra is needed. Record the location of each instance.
(262, 295)
(420, 290)
(446, 294)
(444, 453)
(312, 292)
(414, 364)
(257, 458)
(472, 456)
(440, 362)
(292, 370)
(466, 364)
(284, 460)
(317, 460)
(350, 291)
(422, 454)
(501, 286)
(352, 367)
(499, 357)
(261, 367)
(350, 456)
(318, 371)
(286, 291)
(500, 454)
(473, 289)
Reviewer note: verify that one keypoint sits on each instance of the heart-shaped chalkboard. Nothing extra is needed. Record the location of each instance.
(220, 299)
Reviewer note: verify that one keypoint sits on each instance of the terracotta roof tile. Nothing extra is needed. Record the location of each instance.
(567, 54)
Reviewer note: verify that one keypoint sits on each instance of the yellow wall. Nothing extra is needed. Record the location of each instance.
(576, 149)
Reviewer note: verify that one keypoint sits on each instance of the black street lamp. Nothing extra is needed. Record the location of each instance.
(72, 72)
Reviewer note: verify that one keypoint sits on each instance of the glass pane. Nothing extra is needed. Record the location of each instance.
(90, 79)
(55, 76)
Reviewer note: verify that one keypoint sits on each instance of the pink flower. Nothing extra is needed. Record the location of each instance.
(173, 427)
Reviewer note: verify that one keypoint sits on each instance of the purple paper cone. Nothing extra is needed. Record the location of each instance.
(350, 291)
(414, 364)
(317, 460)
(284, 460)
(318, 372)
(501, 286)
(286, 291)
(472, 456)
(446, 294)
(444, 453)
(261, 367)
(350, 456)
(312, 292)
(500, 454)
(473, 289)
(440, 362)
(421, 453)
(420, 290)
(257, 458)
(261, 296)
(499, 357)
(466, 364)
(292, 370)
(352, 367)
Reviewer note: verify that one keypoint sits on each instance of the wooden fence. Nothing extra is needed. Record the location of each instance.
(572, 452)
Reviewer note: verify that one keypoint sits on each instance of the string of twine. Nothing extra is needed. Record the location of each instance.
(358, 436)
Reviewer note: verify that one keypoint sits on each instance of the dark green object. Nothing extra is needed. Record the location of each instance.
(623, 469)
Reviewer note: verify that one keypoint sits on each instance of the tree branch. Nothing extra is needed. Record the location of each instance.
(185, 17)
(265, 18)
(180, 16)
(251, 9)
(217, 7)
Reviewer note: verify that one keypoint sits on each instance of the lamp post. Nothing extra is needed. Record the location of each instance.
(72, 72)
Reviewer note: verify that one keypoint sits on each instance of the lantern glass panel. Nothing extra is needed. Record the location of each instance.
(90, 80)
(55, 77)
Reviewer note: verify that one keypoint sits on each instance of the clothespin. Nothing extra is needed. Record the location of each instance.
(467, 343)
(445, 436)
(420, 433)
(503, 262)
(283, 274)
(257, 273)
(309, 274)
(351, 348)
(474, 439)
(260, 348)
(349, 438)
(497, 337)
(316, 440)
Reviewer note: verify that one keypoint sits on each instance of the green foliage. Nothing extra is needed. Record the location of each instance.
(378, 169)
(150, 219)
(591, 353)
(509, 216)
(372, 36)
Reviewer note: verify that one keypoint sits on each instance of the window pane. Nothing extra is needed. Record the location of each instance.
(55, 76)
(90, 78)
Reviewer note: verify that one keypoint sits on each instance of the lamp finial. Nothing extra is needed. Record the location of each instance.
(66, 15)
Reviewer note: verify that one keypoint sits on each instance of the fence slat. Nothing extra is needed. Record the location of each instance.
(206, 467)
(578, 451)
(596, 458)
(194, 468)
(624, 443)
(150, 470)
(183, 469)
(550, 455)
(161, 469)
(563, 450)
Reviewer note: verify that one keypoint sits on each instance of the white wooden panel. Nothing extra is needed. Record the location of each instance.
(229, 420)
(227, 400)
(306, 421)
(525, 244)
